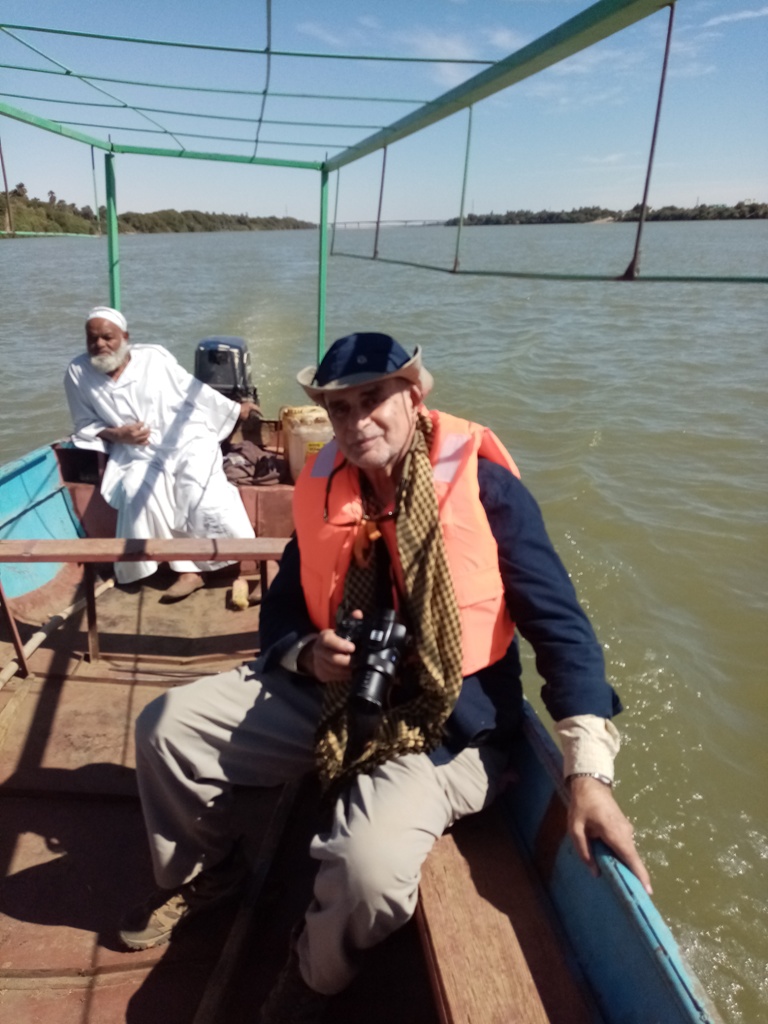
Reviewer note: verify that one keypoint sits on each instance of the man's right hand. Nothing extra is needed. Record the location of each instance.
(129, 433)
(594, 814)
(327, 658)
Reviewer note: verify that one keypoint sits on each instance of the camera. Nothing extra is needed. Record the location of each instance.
(380, 641)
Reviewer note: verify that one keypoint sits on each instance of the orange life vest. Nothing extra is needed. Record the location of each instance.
(327, 511)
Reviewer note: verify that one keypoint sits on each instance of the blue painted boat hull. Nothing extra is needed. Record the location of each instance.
(34, 503)
(618, 940)
(615, 938)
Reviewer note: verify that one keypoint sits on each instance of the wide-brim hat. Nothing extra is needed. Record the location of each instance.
(359, 358)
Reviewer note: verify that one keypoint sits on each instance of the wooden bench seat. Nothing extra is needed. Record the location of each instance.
(491, 946)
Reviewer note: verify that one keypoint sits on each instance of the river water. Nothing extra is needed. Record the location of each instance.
(637, 415)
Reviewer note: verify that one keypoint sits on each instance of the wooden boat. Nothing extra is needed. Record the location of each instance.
(510, 927)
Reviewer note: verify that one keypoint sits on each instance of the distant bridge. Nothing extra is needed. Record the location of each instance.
(355, 224)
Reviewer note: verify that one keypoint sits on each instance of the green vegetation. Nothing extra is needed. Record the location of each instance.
(747, 209)
(55, 216)
(194, 220)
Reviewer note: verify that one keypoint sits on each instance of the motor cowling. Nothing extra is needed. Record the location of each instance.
(224, 363)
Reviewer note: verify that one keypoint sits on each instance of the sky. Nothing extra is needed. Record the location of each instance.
(575, 135)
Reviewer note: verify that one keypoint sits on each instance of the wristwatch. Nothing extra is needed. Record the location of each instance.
(592, 775)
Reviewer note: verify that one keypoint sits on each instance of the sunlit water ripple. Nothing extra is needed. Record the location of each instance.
(637, 416)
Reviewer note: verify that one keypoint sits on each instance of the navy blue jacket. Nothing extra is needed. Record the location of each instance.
(541, 600)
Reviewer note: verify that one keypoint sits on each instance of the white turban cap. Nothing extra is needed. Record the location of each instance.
(107, 313)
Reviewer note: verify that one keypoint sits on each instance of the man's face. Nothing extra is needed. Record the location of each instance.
(107, 345)
(374, 423)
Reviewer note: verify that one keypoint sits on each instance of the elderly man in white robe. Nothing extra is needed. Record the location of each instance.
(162, 429)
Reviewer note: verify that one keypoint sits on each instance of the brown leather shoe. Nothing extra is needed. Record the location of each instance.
(153, 921)
(186, 584)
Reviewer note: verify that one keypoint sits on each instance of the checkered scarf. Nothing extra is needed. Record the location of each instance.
(431, 673)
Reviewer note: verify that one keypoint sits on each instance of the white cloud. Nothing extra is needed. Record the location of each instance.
(692, 69)
(722, 19)
(423, 43)
(558, 96)
(504, 39)
(608, 160)
(600, 59)
(319, 32)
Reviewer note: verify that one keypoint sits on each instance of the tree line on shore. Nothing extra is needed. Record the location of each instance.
(747, 209)
(55, 216)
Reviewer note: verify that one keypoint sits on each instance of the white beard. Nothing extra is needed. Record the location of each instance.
(113, 361)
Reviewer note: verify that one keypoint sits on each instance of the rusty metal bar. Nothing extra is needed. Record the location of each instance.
(93, 549)
(89, 578)
(381, 199)
(18, 645)
(634, 264)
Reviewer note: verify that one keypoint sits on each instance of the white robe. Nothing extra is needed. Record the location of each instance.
(174, 486)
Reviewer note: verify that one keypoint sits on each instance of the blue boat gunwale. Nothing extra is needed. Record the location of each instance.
(577, 899)
(36, 503)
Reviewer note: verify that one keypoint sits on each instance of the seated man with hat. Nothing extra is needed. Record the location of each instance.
(410, 515)
(162, 429)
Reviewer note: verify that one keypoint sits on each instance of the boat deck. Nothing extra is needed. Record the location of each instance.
(483, 948)
(73, 851)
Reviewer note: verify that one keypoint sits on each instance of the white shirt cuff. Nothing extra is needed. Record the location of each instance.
(589, 743)
(290, 660)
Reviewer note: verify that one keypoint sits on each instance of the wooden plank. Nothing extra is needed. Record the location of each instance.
(490, 944)
(230, 960)
(197, 549)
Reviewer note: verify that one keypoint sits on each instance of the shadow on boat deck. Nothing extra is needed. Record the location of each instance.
(73, 864)
(73, 851)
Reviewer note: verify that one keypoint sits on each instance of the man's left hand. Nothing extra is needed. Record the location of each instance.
(248, 409)
(594, 814)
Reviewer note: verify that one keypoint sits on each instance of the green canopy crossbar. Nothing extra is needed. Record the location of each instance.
(213, 90)
(188, 113)
(598, 21)
(52, 126)
(196, 135)
(595, 23)
(91, 85)
(253, 51)
(263, 161)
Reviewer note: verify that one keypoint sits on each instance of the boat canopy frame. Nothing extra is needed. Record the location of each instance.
(595, 23)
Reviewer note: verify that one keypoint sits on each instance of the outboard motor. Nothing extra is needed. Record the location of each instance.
(224, 363)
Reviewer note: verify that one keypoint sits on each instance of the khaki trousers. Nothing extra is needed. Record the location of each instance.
(249, 727)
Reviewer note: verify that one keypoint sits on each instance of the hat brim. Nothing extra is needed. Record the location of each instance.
(412, 371)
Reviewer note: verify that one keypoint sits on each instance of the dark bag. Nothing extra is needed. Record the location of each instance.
(246, 463)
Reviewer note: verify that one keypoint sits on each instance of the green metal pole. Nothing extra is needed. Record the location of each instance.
(323, 265)
(335, 211)
(112, 250)
(95, 194)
